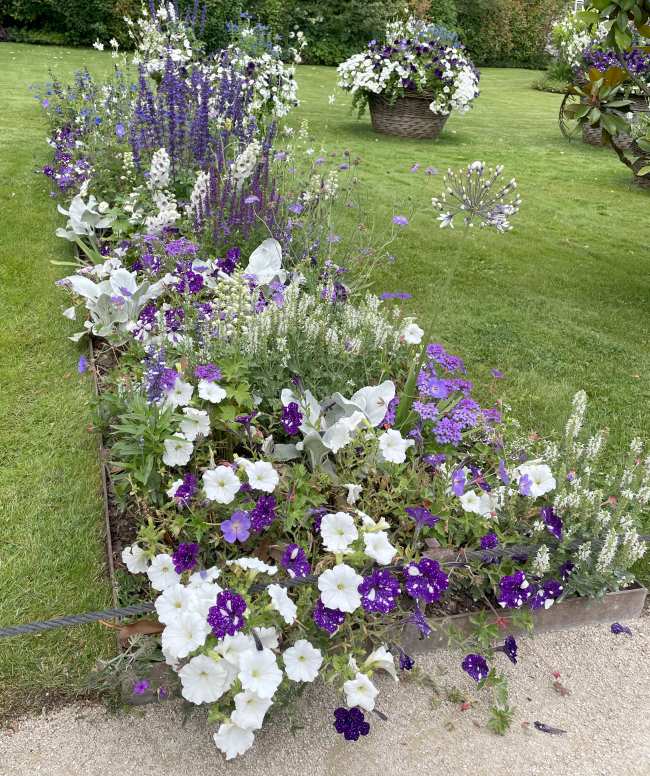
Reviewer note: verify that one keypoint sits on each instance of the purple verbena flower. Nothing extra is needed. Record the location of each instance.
(209, 372)
(489, 541)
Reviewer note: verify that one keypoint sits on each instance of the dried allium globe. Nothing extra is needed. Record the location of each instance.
(477, 195)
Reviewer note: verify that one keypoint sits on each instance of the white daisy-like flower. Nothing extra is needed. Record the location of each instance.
(360, 691)
(259, 672)
(381, 658)
(339, 588)
(378, 547)
(393, 446)
(540, 477)
(412, 333)
(221, 484)
(180, 395)
(338, 531)
(250, 710)
(162, 573)
(211, 391)
(196, 423)
(204, 680)
(302, 661)
(281, 602)
(233, 740)
(354, 491)
(173, 601)
(178, 451)
(261, 474)
(185, 634)
(135, 559)
(253, 564)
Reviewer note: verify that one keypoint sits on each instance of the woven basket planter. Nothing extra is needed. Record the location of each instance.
(406, 117)
(593, 135)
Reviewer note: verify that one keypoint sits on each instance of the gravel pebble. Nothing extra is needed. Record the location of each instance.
(606, 716)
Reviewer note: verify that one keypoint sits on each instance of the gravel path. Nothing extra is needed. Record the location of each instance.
(606, 716)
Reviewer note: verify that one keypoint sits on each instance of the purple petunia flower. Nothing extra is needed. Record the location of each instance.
(186, 490)
(503, 472)
(237, 528)
(489, 541)
(294, 560)
(525, 485)
(509, 648)
(185, 557)
(458, 482)
(379, 592)
(141, 686)
(227, 616)
(350, 723)
(425, 580)
(544, 597)
(263, 513)
(616, 628)
(291, 418)
(514, 590)
(553, 521)
(415, 167)
(497, 374)
(120, 131)
(418, 619)
(565, 569)
(422, 516)
(476, 666)
(406, 662)
(434, 461)
(327, 619)
(400, 220)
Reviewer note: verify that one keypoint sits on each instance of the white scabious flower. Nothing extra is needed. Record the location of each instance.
(338, 531)
(361, 692)
(302, 661)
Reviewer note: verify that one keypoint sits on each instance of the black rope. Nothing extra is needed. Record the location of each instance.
(144, 608)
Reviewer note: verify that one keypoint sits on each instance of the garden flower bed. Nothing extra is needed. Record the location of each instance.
(299, 471)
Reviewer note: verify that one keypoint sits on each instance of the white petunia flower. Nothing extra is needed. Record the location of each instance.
(382, 659)
(135, 559)
(253, 564)
(221, 484)
(196, 423)
(268, 637)
(250, 710)
(354, 491)
(412, 333)
(393, 447)
(360, 691)
(171, 490)
(211, 391)
(339, 588)
(231, 648)
(340, 434)
(373, 401)
(173, 601)
(204, 680)
(261, 474)
(482, 504)
(540, 476)
(259, 672)
(70, 313)
(378, 547)
(233, 740)
(185, 634)
(265, 263)
(204, 596)
(338, 531)
(180, 395)
(302, 661)
(178, 451)
(162, 573)
(205, 575)
(281, 602)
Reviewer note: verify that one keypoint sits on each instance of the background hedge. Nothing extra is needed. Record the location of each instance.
(497, 32)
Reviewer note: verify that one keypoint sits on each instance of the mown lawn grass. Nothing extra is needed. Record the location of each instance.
(51, 519)
(559, 304)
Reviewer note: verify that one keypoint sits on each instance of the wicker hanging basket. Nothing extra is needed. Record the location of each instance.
(641, 158)
(407, 117)
(594, 136)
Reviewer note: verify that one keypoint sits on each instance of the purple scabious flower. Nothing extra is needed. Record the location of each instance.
(141, 686)
(476, 666)
(263, 513)
(209, 372)
(350, 723)
(379, 592)
(616, 628)
(553, 521)
(400, 220)
(514, 590)
(185, 557)
(186, 490)
(509, 648)
(327, 619)
(544, 597)
(489, 541)
(237, 528)
(294, 560)
(291, 418)
(422, 516)
(227, 616)
(425, 580)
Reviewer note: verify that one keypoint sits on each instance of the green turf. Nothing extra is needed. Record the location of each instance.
(559, 304)
(51, 519)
